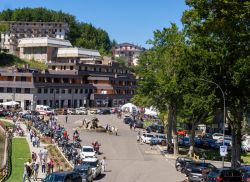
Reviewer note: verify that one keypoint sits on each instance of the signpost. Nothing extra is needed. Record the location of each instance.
(223, 150)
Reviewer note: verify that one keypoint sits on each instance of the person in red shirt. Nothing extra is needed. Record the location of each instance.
(51, 164)
(65, 134)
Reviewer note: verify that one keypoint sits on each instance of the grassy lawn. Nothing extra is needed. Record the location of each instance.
(10, 60)
(20, 155)
(246, 157)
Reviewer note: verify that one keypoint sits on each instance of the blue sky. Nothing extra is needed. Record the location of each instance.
(130, 21)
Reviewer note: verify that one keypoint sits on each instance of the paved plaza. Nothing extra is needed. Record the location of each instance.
(127, 160)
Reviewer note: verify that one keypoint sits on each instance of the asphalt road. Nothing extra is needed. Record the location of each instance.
(127, 160)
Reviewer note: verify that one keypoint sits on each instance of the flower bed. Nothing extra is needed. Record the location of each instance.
(60, 163)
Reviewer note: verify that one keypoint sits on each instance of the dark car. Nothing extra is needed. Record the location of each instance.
(224, 174)
(198, 174)
(155, 128)
(105, 111)
(189, 166)
(245, 173)
(63, 177)
(181, 162)
(138, 123)
(85, 171)
(127, 120)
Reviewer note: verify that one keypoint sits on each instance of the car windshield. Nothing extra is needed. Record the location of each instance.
(92, 164)
(87, 150)
(82, 171)
(150, 136)
(55, 178)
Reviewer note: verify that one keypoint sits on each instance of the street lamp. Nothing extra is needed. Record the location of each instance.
(224, 112)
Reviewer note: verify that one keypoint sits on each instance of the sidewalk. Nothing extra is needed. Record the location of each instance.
(32, 149)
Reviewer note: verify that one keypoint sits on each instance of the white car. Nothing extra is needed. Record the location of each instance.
(146, 137)
(87, 152)
(216, 136)
(81, 111)
(227, 139)
(95, 165)
(161, 138)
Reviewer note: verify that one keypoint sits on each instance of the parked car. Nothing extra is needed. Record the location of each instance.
(95, 165)
(93, 111)
(216, 136)
(81, 111)
(146, 138)
(71, 111)
(224, 174)
(63, 177)
(198, 174)
(127, 120)
(104, 111)
(85, 171)
(155, 128)
(87, 152)
(138, 123)
(189, 166)
(181, 162)
(245, 172)
(44, 110)
(161, 138)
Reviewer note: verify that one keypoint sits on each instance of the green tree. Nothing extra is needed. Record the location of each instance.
(159, 70)
(219, 29)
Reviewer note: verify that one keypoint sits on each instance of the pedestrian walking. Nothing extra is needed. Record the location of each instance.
(45, 154)
(33, 156)
(134, 126)
(43, 166)
(66, 118)
(37, 141)
(130, 125)
(36, 169)
(116, 131)
(27, 172)
(51, 164)
(103, 164)
(34, 141)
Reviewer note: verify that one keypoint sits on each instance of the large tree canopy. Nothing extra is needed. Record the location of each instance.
(81, 34)
(219, 29)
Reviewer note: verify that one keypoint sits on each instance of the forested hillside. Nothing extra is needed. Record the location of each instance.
(81, 34)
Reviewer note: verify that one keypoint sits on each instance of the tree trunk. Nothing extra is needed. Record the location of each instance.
(174, 131)
(169, 126)
(191, 139)
(236, 144)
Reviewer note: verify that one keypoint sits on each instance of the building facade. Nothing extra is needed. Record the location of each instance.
(69, 82)
(20, 29)
(128, 52)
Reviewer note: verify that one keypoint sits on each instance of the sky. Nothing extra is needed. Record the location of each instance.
(131, 21)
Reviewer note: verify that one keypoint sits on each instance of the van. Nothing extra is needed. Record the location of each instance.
(44, 110)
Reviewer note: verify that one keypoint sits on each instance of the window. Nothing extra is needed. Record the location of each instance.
(86, 91)
(39, 91)
(45, 91)
(76, 91)
(63, 91)
(81, 91)
(1, 90)
(69, 91)
(71, 67)
(23, 79)
(18, 90)
(51, 90)
(9, 90)
(95, 82)
(27, 90)
(57, 91)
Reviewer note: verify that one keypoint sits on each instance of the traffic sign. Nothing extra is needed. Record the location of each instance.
(223, 150)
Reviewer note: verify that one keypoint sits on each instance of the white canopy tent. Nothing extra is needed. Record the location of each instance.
(150, 112)
(10, 103)
(129, 107)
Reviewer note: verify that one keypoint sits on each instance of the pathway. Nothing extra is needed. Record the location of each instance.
(32, 149)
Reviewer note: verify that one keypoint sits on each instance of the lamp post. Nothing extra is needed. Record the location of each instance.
(224, 112)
